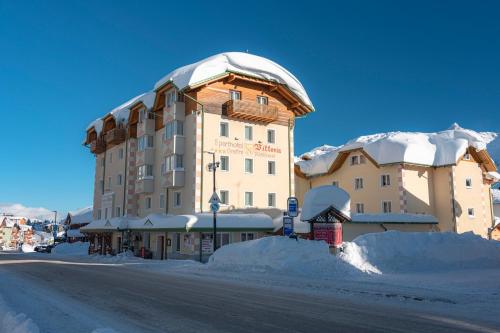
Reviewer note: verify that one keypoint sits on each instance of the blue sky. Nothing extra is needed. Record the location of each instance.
(368, 67)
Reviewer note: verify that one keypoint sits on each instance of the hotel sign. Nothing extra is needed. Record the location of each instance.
(239, 148)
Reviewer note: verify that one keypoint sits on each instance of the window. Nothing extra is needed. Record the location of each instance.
(358, 183)
(248, 133)
(177, 199)
(105, 213)
(103, 161)
(224, 237)
(271, 136)
(468, 183)
(386, 207)
(247, 236)
(362, 159)
(173, 162)
(143, 114)
(109, 183)
(148, 203)
(178, 242)
(467, 157)
(145, 171)
(110, 158)
(101, 185)
(271, 167)
(224, 163)
(162, 201)
(120, 154)
(360, 208)
(119, 179)
(470, 212)
(234, 95)
(335, 183)
(145, 141)
(171, 97)
(262, 100)
(385, 180)
(271, 199)
(99, 214)
(224, 129)
(224, 197)
(172, 128)
(248, 198)
(354, 160)
(248, 165)
(118, 211)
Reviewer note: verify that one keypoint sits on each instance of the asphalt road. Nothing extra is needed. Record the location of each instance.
(79, 298)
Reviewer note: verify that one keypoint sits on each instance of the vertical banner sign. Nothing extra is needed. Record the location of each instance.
(293, 207)
(287, 225)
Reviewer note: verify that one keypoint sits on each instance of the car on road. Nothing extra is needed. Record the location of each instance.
(44, 248)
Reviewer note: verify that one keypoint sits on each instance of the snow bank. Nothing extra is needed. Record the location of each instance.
(282, 255)
(26, 248)
(496, 196)
(401, 252)
(10, 322)
(72, 249)
(432, 149)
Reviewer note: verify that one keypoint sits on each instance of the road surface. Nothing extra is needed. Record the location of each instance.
(81, 297)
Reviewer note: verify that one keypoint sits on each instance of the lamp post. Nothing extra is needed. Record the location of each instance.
(213, 167)
(54, 231)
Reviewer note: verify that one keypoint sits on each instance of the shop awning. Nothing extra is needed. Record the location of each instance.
(160, 222)
(230, 222)
(114, 224)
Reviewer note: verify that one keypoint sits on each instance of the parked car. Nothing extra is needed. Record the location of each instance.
(44, 248)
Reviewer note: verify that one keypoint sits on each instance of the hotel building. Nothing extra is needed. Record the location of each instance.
(152, 155)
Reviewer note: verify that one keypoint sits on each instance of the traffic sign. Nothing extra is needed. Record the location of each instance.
(214, 207)
(287, 225)
(293, 207)
(214, 198)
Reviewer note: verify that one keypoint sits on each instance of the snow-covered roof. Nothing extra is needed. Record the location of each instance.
(195, 222)
(321, 198)
(121, 113)
(80, 216)
(238, 63)
(74, 233)
(432, 149)
(496, 196)
(394, 218)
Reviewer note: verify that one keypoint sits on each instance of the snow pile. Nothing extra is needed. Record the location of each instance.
(10, 322)
(432, 149)
(72, 249)
(281, 255)
(321, 198)
(496, 196)
(26, 248)
(234, 62)
(402, 252)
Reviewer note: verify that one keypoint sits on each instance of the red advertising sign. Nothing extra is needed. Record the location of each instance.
(328, 232)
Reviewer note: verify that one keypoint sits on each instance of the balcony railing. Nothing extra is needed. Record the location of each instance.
(115, 136)
(98, 146)
(251, 111)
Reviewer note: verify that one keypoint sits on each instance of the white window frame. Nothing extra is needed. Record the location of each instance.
(251, 164)
(360, 183)
(251, 197)
(273, 162)
(234, 93)
(173, 128)
(385, 180)
(354, 160)
(224, 194)
(145, 142)
(226, 158)
(360, 208)
(273, 195)
(226, 125)
(264, 99)
(384, 202)
(145, 171)
(177, 195)
(250, 132)
(273, 136)
(174, 162)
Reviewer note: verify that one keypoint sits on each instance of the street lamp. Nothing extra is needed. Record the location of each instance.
(54, 231)
(213, 167)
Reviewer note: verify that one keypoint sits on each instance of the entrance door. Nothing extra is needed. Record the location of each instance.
(160, 247)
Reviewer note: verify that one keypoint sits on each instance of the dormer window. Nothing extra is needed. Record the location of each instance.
(354, 160)
(467, 157)
(234, 95)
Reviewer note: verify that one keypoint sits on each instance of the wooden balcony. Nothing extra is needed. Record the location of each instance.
(115, 136)
(251, 111)
(98, 146)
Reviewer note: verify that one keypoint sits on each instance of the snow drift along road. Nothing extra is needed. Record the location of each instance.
(73, 249)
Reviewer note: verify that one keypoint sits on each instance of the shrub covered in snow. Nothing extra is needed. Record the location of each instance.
(400, 252)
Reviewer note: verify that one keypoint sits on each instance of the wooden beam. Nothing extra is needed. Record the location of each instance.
(294, 105)
(273, 88)
(231, 78)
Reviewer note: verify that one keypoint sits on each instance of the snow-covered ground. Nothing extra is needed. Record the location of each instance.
(442, 272)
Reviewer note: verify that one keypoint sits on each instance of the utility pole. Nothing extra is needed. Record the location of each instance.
(54, 231)
(213, 167)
